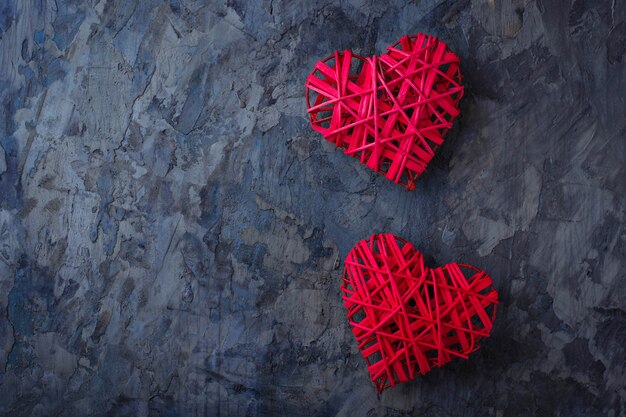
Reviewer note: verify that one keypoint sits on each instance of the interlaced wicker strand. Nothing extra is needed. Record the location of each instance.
(408, 318)
(391, 112)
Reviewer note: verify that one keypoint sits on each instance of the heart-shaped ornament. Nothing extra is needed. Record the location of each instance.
(408, 318)
(390, 111)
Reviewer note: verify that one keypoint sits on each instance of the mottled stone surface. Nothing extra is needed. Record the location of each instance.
(170, 226)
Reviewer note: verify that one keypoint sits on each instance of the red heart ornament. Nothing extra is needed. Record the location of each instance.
(390, 111)
(408, 318)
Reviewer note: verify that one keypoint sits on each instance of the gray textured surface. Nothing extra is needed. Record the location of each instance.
(169, 224)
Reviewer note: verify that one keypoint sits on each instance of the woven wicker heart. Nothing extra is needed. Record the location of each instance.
(392, 111)
(408, 318)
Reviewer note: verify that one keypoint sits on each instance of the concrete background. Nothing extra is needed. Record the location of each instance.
(170, 224)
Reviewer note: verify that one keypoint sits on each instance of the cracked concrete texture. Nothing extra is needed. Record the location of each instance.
(170, 226)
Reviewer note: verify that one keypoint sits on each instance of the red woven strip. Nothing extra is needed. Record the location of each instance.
(391, 112)
(408, 318)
